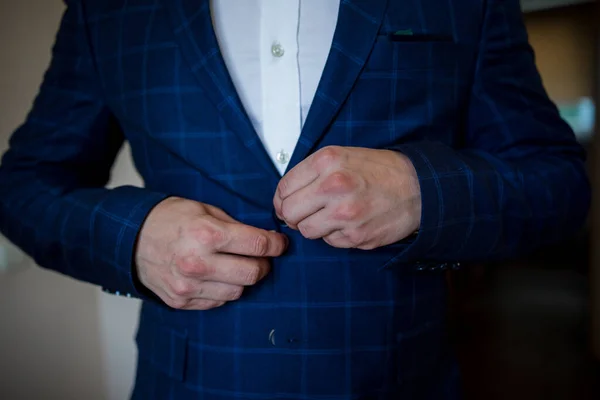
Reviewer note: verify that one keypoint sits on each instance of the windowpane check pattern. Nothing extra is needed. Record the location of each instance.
(450, 84)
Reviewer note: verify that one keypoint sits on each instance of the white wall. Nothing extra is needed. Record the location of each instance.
(59, 339)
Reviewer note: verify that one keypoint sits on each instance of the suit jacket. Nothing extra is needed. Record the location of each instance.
(450, 84)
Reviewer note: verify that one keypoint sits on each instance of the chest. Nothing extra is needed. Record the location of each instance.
(150, 85)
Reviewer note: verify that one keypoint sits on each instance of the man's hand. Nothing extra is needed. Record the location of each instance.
(351, 197)
(195, 257)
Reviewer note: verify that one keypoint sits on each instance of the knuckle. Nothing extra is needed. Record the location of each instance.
(194, 267)
(328, 156)
(186, 265)
(210, 236)
(203, 269)
(187, 268)
(181, 288)
(260, 245)
(338, 182)
(348, 212)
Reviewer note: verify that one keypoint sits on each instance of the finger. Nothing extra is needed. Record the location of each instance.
(225, 268)
(184, 303)
(202, 305)
(319, 225)
(302, 204)
(310, 169)
(339, 240)
(249, 241)
(300, 176)
(192, 288)
(218, 291)
(239, 270)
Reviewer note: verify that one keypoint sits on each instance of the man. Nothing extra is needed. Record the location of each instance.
(311, 169)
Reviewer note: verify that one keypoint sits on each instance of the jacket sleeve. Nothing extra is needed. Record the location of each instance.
(53, 203)
(518, 182)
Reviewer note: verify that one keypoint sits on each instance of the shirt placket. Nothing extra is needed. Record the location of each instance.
(280, 72)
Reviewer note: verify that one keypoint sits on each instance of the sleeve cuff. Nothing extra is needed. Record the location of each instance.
(116, 225)
(447, 214)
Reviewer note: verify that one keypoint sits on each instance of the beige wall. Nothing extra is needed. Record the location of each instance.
(564, 43)
(59, 339)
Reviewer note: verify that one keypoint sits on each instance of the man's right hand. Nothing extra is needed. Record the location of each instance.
(196, 257)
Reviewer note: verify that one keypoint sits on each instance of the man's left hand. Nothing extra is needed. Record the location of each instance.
(351, 197)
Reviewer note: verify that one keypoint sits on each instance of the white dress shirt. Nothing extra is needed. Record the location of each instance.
(275, 52)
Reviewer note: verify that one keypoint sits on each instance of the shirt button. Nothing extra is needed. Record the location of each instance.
(277, 50)
(282, 157)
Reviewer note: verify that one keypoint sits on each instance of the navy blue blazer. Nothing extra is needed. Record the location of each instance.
(451, 84)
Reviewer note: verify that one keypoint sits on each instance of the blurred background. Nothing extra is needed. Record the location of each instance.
(527, 329)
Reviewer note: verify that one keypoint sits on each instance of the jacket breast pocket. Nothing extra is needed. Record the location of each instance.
(412, 53)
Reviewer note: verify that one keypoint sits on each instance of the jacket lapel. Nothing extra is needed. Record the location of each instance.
(192, 25)
(355, 34)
